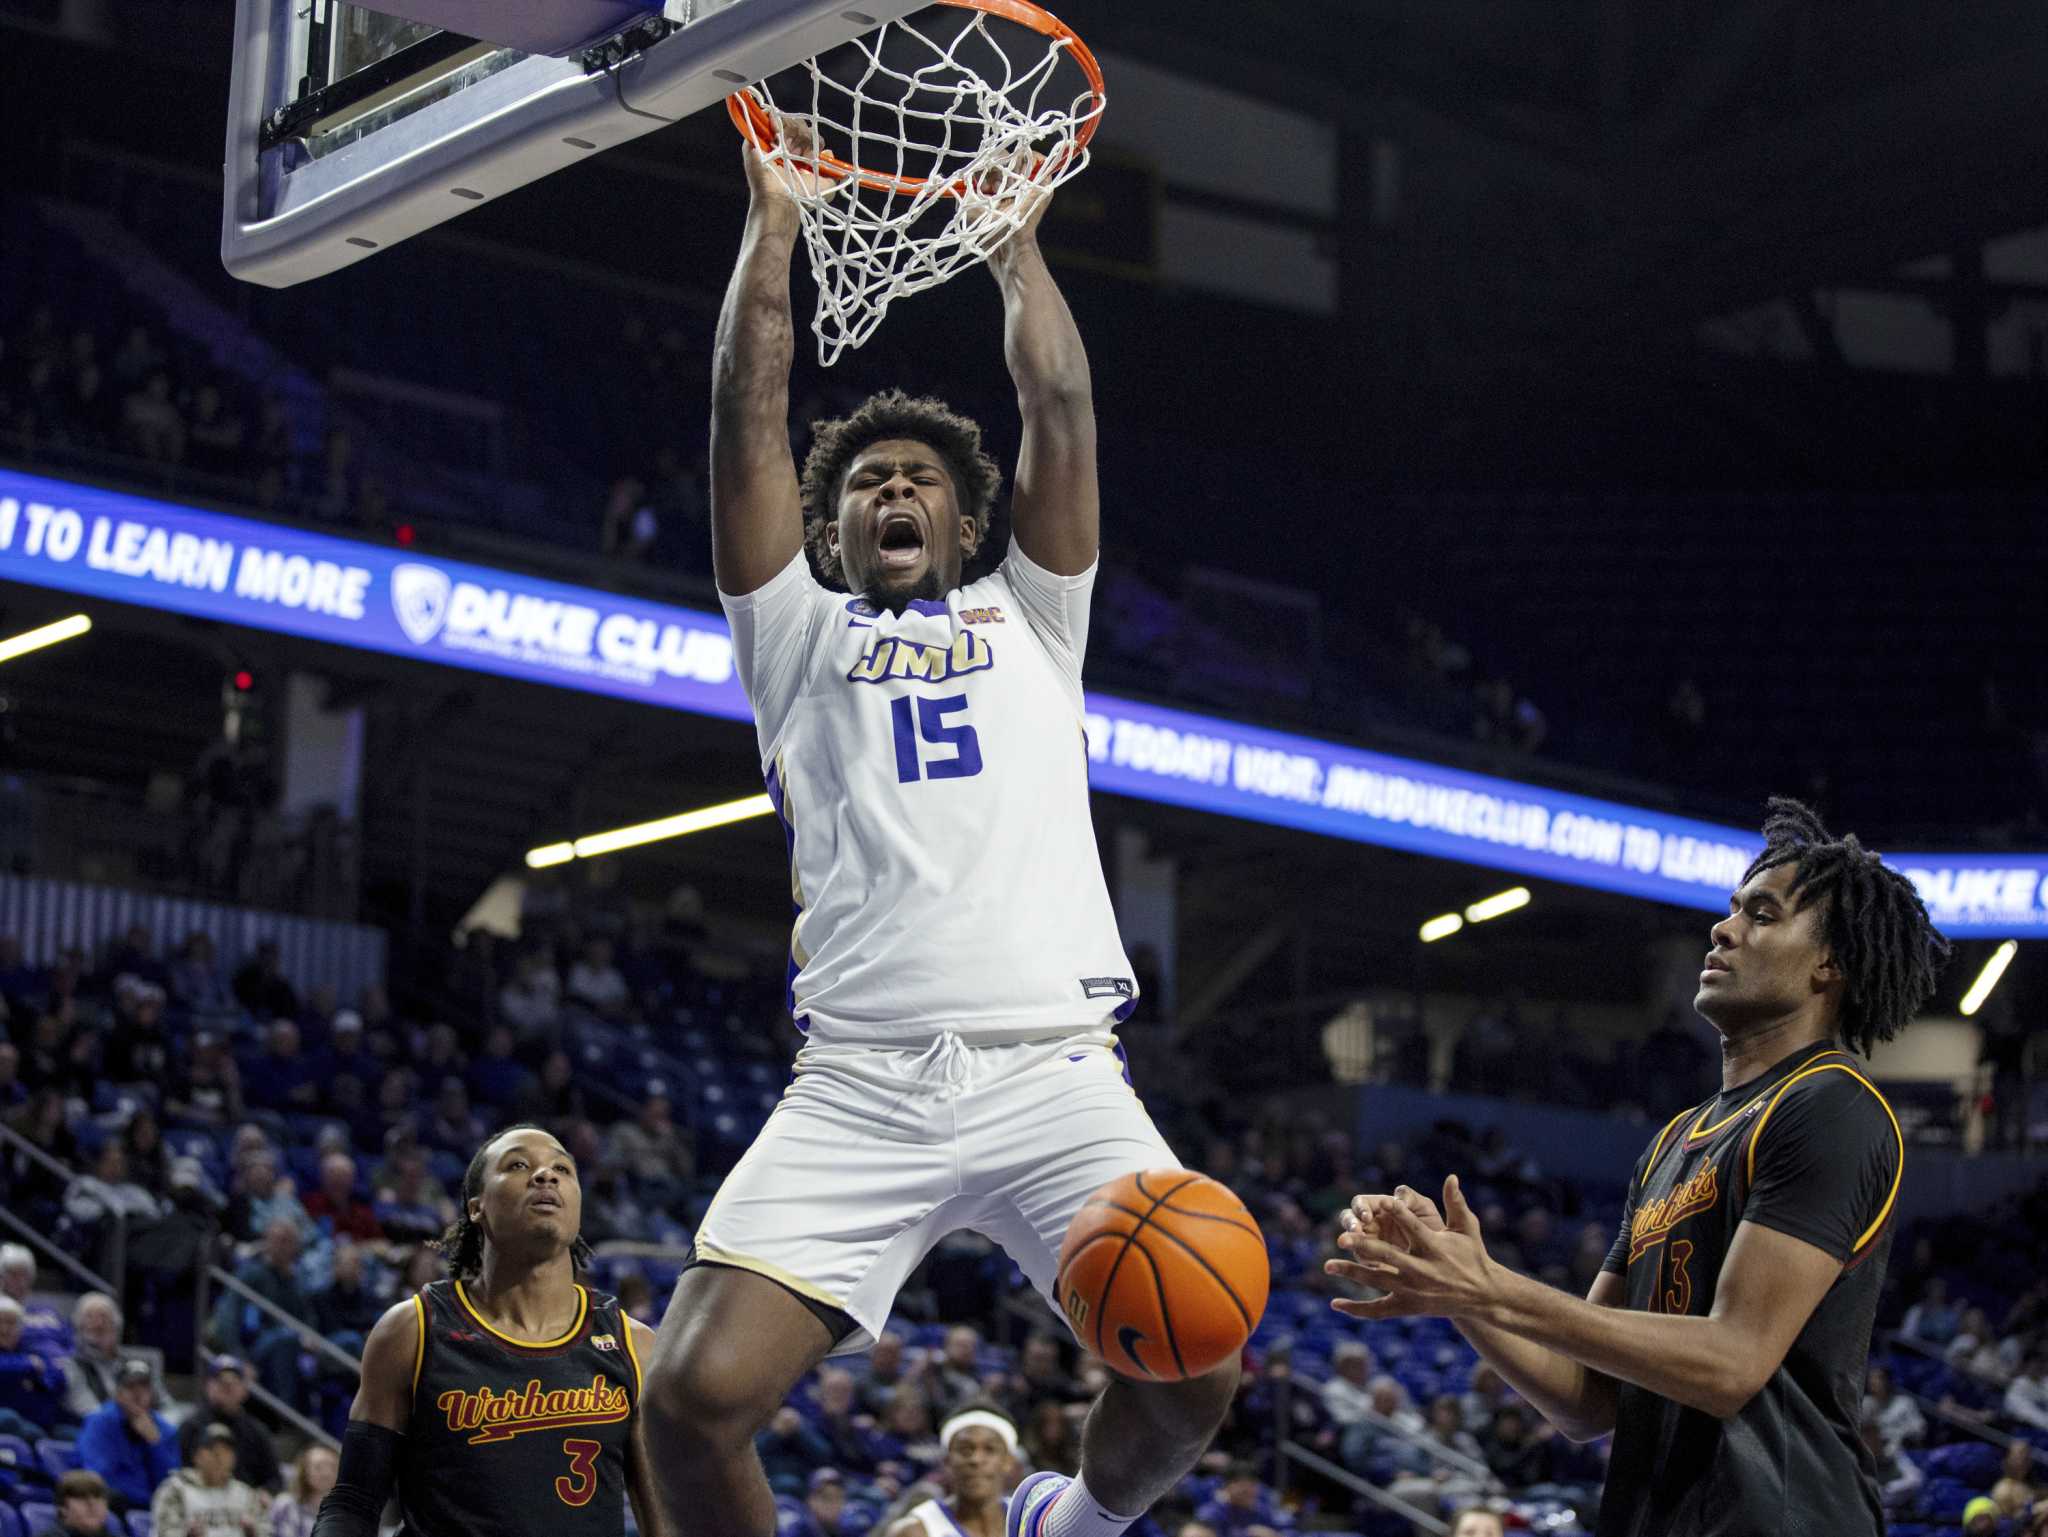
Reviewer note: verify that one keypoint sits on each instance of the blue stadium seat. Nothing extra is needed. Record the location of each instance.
(10, 1523)
(1976, 1463)
(36, 1514)
(57, 1457)
(19, 1466)
(1944, 1498)
(137, 1523)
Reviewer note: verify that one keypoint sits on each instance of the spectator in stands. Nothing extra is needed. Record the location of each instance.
(226, 1404)
(149, 1160)
(205, 1496)
(96, 1204)
(335, 1207)
(596, 982)
(422, 1268)
(1980, 1518)
(1195, 1529)
(196, 980)
(1484, 1397)
(636, 1298)
(531, 1002)
(152, 427)
(206, 1088)
(2026, 1396)
(127, 1442)
(496, 1076)
(1242, 1504)
(12, 1090)
(909, 1440)
(213, 437)
(1933, 1318)
(262, 1196)
(1051, 1438)
(81, 1506)
(556, 1096)
(1390, 1435)
(347, 1309)
(1474, 1522)
(1517, 1456)
(31, 1384)
(839, 1421)
(261, 987)
(92, 1369)
(1043, 1372)
(886, 1373)
(2017, 1489)
(1347, 1393)
(42, 1327)
(239, 1326)
(411, 1205)
(1898, 1477)
(955, 1377)
(34, 1190)
(139, 1047)
(293, 1512)
(394, 1110)
(791, 1451)
(653, 1151)
(452, 1126)
(282, 1078)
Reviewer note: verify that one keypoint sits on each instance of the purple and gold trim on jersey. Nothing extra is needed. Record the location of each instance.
(778, 797)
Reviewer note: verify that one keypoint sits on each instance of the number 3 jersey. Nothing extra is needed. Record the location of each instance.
(510, 1437)
(931, 774)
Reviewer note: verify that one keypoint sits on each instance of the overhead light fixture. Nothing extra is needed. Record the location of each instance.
(1441, 928)
(1502, 902)
(700, 820)
(44, 635)
(1987, 979)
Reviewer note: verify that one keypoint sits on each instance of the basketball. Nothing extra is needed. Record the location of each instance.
(1163, 1274)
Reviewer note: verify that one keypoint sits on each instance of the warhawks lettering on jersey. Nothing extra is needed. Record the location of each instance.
(1655, 1218)
(501, 1416)
(889, 657)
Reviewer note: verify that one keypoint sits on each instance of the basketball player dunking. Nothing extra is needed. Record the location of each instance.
(957, 966)
(502, 1401)
(1724, 1343)
(981, 1452)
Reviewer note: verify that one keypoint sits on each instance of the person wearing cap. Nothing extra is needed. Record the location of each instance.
(824, 1506)
(127, 1442)
(205, 1087)
(204, 1497)
(226, 1405)
(981, 1455)
(1980, 1517)
(347, 1055)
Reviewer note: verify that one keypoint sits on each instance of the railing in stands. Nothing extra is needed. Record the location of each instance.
(214, 1275)
(1423, 1521)
(1970, 1424)
(1289, 1448)
(70, 1264)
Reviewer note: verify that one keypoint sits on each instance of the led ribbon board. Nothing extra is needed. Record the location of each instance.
(131, 549)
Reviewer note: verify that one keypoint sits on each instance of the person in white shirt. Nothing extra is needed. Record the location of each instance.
(2026, 1396)
(956, 964)
(1895, 1413)
(206, 1497)
(1347, 1395)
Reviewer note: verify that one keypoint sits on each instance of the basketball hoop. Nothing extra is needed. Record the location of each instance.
(929, 152)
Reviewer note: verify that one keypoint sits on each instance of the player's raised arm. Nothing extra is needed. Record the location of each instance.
(756, 516)
(1056, 510)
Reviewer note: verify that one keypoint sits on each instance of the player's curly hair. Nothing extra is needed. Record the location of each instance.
(462, 1245)
(892, 414)
(1875, 924)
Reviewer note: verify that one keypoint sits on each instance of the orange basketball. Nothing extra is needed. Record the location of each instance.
(1163, 1274)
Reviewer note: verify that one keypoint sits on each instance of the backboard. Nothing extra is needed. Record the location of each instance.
(351, 129)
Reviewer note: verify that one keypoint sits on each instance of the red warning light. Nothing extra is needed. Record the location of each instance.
(404, 534)
(245, 681)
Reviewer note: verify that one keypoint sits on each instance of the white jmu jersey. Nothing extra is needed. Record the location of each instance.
(931, 771)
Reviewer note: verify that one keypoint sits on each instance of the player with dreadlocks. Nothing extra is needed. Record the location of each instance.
(503, 1400)
(1724, 1342)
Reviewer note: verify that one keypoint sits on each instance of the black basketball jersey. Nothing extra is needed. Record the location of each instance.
(1808, 1148)
(509, 1437)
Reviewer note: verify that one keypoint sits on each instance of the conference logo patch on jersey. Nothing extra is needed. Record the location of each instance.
(494, 1416)
(604, 1342)
(890, 657)
(989, 615)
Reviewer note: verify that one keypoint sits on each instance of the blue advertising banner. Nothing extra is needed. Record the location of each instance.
(130, 549)
(107, 544)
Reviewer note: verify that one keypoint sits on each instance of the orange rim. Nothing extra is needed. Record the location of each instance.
(754, 123)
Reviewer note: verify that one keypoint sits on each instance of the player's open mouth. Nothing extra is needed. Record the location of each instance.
(900, 544)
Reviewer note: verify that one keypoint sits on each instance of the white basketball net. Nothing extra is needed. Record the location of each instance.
(955, 163)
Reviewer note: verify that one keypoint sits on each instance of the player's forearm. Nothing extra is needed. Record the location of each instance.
(1041, 343)
(1698, 1362)
(1580, 1402)
(756, 341)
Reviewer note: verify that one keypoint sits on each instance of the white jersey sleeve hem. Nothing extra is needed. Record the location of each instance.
(1057, 607)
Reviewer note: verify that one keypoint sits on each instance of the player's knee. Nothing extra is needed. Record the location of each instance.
(708, 1390)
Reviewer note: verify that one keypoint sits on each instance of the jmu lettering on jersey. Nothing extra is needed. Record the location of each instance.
(890, 657)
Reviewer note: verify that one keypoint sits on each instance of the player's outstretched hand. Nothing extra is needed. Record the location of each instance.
(1427, 1264)
(1010, 192)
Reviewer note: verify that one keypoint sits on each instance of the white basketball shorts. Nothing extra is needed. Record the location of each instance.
(876, 1153)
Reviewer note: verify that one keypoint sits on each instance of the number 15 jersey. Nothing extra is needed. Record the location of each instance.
(931, 773)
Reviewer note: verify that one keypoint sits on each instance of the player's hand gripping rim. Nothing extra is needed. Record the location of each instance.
(1424, 1263)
